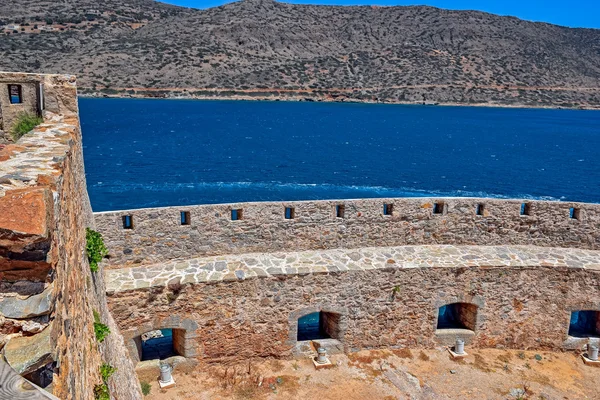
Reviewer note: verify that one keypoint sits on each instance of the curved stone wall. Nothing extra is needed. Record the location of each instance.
(522, 297)
(157, 234)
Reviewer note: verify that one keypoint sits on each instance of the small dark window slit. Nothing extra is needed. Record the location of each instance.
(236, 215)
(340, 211)
(185, 218)
(525, 208)
(388, 209)
(290, 213)
(480, 209)
(15, 93)
(574, 213)
(438, 208)
(127, 222)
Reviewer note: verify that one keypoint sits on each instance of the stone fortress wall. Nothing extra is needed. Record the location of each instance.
(158, 234)
(223, 320)
(47, 292)
(234, 289)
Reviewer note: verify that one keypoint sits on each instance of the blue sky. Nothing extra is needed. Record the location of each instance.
(574, 13)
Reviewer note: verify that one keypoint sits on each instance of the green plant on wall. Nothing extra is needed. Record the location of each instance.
(24, 124)
(106, 371)
(101, 391)
(146, 388)
(101, 330)
(96, 250)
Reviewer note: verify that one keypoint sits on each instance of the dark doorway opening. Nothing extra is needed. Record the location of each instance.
(584, 323)
(158, 345)
(457, 316)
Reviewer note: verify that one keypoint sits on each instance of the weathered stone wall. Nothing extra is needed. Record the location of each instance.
(47, 294)
(523, 297)
(9, 112)
(158, 235)
(525, 308)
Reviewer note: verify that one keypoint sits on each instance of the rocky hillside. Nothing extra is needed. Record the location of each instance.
(264, 48)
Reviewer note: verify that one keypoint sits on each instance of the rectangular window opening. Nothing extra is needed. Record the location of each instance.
(388, 209)
(340, 210)
(127, 222)
(525, 208)
(185, 218)
(15, 93)
(457, 316)
(480, 209)
(438, 208)
(574, 213)
(584, 323)
(290, 213)
(236, 214)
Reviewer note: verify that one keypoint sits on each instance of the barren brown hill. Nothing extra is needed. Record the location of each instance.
(257, 47)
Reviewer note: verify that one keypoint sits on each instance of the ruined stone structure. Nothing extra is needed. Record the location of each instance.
(48, 294)
(233, 280)
(230, 282)
(22, 93)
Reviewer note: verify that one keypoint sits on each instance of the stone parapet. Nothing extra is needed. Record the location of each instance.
(158, 235)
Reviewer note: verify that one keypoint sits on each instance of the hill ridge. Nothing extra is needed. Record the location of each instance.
(390, 54)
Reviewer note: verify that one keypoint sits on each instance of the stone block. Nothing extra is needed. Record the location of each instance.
(589, 362)
(25, 212)
(32, 306)
(26, 354)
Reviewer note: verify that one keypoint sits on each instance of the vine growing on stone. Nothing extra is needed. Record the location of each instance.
(95, 248)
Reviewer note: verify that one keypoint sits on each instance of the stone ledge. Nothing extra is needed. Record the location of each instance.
(233, 268)
(448, 337)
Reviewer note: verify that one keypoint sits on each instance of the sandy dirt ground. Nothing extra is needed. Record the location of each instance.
(389, 375)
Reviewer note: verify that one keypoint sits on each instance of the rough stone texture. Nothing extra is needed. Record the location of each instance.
(15, 387)
(26, 354)
(260, 265)
(158, 235)
(32, 306)
(42, 178)
(524, 297)
(9, 112)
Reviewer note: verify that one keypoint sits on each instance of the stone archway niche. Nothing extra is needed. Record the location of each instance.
(457, 317)
(184, 337)
(325, 327)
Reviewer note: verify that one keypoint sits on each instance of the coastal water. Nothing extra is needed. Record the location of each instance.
(150, 153)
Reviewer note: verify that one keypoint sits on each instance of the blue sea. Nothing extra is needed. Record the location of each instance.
(150, 153)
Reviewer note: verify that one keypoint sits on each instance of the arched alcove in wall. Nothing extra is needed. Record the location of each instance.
(317, 323)
(163, 339)
(457, 316)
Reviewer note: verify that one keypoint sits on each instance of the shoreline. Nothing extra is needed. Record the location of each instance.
(182, 94)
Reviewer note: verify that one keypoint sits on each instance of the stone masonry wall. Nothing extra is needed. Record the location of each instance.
(9, 112)
(47, 293)
(158, 235)
(518, 307)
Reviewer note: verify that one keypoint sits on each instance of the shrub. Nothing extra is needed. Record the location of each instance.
(101, 392)
(146, 388)
(101, 330)
(24, 124)
(106, 370)
(96, 250)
